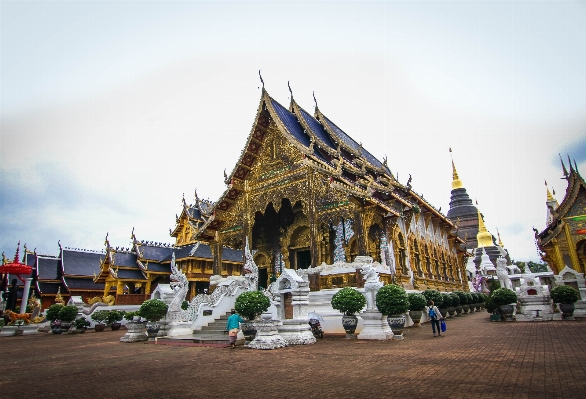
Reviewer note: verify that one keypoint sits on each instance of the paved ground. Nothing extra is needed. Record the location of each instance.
(476, 359)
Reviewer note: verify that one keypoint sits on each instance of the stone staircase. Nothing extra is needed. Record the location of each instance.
(215, 332)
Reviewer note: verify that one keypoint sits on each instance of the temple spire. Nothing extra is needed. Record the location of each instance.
(483, 237)
(456, 182)
(500, 241)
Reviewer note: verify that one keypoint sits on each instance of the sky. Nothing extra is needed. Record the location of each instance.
(111, 111)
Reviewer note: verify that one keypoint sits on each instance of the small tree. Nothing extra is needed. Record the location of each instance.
(251, 304)
(348, 301)
(392, 300)
(416, 301)
(115, 316)
(455, 299)
(564, 294)
(447, 300)
(53, 312)
(153, 310)
(68, 313)
(435, 296)
(503, 296)
(100, 315)
(463, 297)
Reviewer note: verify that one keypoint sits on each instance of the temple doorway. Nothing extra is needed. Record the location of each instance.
(263, 277)
(303, 259)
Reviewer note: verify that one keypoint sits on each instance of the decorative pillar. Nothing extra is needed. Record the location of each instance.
(558, 259)
(246, 224)
(360, 233)
(312, 218)
(217, 254)
(25, 294)
(572, 249)
(119, 287)
(147, 287)
(107, 286)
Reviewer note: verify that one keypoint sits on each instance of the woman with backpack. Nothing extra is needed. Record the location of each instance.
(435, 316)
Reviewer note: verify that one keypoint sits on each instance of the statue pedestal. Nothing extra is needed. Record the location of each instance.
(296, 332)
(177, 328)
(135, 332)
(267, 335)
(374, 326)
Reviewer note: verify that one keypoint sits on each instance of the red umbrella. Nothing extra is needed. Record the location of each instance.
(16, 267)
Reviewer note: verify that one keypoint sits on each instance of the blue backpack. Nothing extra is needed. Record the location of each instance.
(431, 313)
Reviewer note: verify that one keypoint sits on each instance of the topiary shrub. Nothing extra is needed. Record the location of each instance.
(447, 300)
(455, 299)
(99, 316)
(251, 304)
(115, 316)
(82, 322)
(469, 298)
(53, 312)
(68, 313)
(416, 301)
(462, 296)
(130, 315)
(392, 300)
(564, 294)
(503, 296)
(435, 296)
(348, 301)
(490, 306)
(153, 310)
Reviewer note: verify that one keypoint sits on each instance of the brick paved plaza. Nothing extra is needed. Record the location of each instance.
(476, 359)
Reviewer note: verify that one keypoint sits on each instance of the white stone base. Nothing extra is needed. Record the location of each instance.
(373, 327)
(528, 312)
(267, 336)
(135, 333)
(178, 328)
(296, 332)
(28, 329)
(398, 337)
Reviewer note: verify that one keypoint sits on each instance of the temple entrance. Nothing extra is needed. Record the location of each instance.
(263, 277)
(303, 259)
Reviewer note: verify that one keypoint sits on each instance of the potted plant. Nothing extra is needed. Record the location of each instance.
(250, 305)
(505, 299)
(455, 303)
(417, 303)
(435, 296)
(99, 316)
(349, 301)
(52, 315)
(393, 301)
(114, 318)
(565, 296)
(462, 307)
(446, 305)
(153, 310)
(81, 324)
(67, 314)
(474, 305)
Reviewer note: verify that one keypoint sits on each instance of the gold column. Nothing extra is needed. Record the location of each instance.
(360, 233)
(558, 260)
(119, 288)
(217, 254)
(572, 249)
(246, 223)
(147, 287)
(107, 286)
(312, 218)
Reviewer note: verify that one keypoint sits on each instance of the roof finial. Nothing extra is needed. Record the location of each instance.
(16, 256)
(456, 182)
(549, 196)
(570, 162)
(290, 91)
(500, 241)
(563, 168)
(262, 81)
(314, 100)
(576, 167)
(483, 237)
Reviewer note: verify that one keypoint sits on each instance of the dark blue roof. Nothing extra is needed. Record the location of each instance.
(317, 129)
(31, 259)
(157, 267)
(48, 269)
(81, 263)
(154, 253)
(50, 288)
(291, 123)
(194, 213)
(125, 259)
(130, 274)
(349, 141)
(83, 284)
(232, 255)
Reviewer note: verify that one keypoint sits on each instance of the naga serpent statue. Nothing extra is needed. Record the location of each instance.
(180, 286)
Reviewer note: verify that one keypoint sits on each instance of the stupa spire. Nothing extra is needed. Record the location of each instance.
(483, 237)
(456, 182)
(500, 241)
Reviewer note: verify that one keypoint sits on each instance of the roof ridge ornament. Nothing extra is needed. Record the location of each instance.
(314, 100)
(262, 81)
(290, 91)
(565, 171)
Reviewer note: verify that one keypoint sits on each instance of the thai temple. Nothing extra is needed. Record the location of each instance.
(306, 196)
(563, 241)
